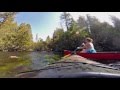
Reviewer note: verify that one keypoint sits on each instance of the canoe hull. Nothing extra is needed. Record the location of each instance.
(97, 56)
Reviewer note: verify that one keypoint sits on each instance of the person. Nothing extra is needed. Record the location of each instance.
(88, 46)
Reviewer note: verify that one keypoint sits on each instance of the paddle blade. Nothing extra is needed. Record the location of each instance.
(67, 56)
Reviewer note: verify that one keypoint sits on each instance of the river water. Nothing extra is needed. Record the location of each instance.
(26, 61)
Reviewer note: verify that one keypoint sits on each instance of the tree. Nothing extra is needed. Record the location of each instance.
(48, 43)
(48, 39)
(40, 45)
(67, 19)
(12, 36)
(56, 37)
(68, 39)
(57, 33)
(7, 33)
(116, 33)
(82, 22)
(5, 15)
(116, 22)
(24, 36)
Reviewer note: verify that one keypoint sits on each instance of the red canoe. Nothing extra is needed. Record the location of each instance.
(97, 56)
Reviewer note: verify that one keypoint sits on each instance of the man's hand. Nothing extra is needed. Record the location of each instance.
(83, 44)
(79, 48)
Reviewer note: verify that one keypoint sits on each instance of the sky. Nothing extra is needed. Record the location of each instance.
(44, 23)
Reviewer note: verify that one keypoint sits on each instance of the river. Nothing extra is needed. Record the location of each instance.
(26, 61)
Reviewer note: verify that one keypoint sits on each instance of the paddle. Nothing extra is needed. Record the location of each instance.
(72, 53)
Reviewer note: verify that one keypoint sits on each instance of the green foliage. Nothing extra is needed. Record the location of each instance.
(71, 38)
(24, 36)
(67, 20)
(40, 45)
(12, 36)
(105, 36)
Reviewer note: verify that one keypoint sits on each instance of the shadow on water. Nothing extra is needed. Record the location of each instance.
(26, 61)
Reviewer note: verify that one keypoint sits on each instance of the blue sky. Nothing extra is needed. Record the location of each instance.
(44, 23)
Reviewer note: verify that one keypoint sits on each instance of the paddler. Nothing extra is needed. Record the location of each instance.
(88, 46)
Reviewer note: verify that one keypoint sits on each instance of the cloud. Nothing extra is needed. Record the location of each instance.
(102, 16)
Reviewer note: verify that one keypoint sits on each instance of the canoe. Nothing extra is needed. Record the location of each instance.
(97, 56)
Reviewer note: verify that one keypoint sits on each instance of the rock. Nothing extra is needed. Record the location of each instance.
(73, 65)
(14, 57)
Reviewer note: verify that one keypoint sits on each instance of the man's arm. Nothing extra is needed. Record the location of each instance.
(82, 46)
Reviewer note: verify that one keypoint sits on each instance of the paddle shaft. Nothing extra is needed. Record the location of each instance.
(72, 53)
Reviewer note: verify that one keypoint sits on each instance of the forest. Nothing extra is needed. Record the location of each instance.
(14, 37)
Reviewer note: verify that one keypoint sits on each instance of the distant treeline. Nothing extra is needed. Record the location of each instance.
(14, 37)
